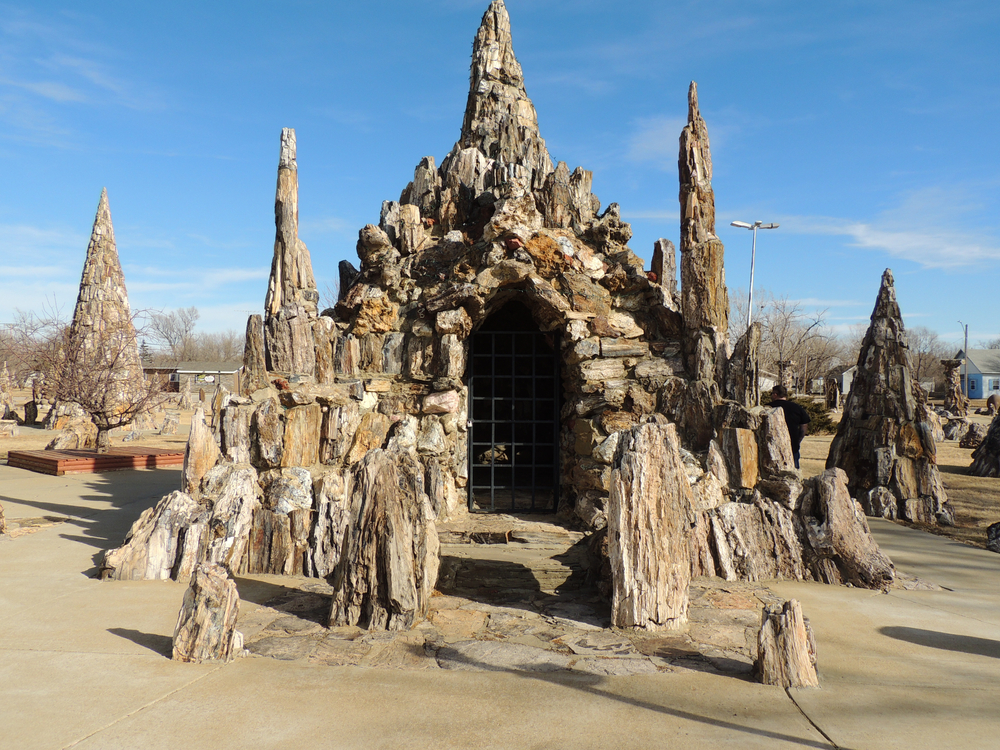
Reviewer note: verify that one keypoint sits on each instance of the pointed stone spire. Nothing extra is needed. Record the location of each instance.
(500, 119)
(102, 298)
(102, 370)
(291, 281)
(704, 298)
(883, 443)
(292, 300)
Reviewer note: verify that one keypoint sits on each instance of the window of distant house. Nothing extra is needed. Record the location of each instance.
(972, 385)
(995, 385)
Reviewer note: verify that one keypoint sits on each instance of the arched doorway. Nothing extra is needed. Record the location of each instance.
(514, 394)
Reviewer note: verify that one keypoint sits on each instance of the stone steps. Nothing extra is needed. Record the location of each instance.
(501, 562)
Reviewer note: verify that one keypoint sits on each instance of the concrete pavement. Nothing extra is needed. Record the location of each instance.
(84, 664)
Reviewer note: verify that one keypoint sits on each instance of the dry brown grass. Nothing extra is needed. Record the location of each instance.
(975, 501)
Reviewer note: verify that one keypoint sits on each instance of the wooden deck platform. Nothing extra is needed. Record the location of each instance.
(59, 463)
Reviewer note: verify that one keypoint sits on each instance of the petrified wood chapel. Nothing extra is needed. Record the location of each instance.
(502, 349)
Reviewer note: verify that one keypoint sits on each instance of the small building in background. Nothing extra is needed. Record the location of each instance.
(207, 375)
(983, 367)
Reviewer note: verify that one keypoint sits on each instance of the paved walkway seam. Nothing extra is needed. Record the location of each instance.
(139, 710)
(808, 718)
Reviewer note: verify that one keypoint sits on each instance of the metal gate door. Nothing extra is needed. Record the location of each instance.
(514, 414)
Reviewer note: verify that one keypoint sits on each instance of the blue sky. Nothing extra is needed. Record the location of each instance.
(868, 130)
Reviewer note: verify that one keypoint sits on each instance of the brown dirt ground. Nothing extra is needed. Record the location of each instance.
(975, 501)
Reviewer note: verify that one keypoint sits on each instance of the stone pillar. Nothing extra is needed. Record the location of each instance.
(291, 302)
(884, 440)
(704, 298)
(954, 400)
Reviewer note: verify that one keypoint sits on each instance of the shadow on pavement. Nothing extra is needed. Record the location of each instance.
(965, 644)
(160, 644)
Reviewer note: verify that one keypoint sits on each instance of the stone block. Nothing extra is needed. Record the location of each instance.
(445, 402)
(599, 370)
(740, 448)
(301, 438)
(371, 434)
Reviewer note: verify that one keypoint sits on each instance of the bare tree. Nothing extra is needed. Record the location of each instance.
(225, 346)
(788, 334)
(100, 371)
(330, 295)
(992, 344)
(926, 353)
(174, 332)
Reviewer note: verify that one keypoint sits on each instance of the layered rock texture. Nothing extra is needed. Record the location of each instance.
(986, 457)
(955, 401)
(885, 442)
(291, 303)
(101, 370)
(340, 462)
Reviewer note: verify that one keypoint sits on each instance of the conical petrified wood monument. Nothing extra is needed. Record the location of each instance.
(100, 369)
(341, 463)
(882, 445)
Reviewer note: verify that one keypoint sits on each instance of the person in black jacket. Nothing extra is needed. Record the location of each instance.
(795, 417)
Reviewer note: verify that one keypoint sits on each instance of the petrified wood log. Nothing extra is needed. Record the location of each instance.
(254, 376)
(838, 545)
(786, 650)
(389, 564)
(151, 548)
(742, 384)
(974, 436)
(986, 458)
(200, 454)
(206, 624)
(756, 541)
(648, 521)
(3, 522)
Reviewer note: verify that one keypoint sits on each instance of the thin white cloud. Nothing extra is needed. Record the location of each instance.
(654, 141)
(926, 228)
(325, 225)
(54, 90)
(815, 302)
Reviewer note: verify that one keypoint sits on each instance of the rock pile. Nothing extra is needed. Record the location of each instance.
(986, 457)
(350, 437)
(885, 442)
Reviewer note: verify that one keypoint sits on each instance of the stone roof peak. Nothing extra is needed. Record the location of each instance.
(886, 305)
(500, 119)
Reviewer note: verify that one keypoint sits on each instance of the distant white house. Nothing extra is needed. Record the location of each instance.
(984, 371)
(766, 381)
(846, 379)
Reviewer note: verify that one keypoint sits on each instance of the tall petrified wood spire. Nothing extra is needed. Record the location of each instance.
(101, 370)
(500, 119)
(291, 302)
(499, 144)
(704, 299)
(882, 444)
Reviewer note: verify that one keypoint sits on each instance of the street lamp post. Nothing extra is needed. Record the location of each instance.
(753, 257)
(965, 360)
